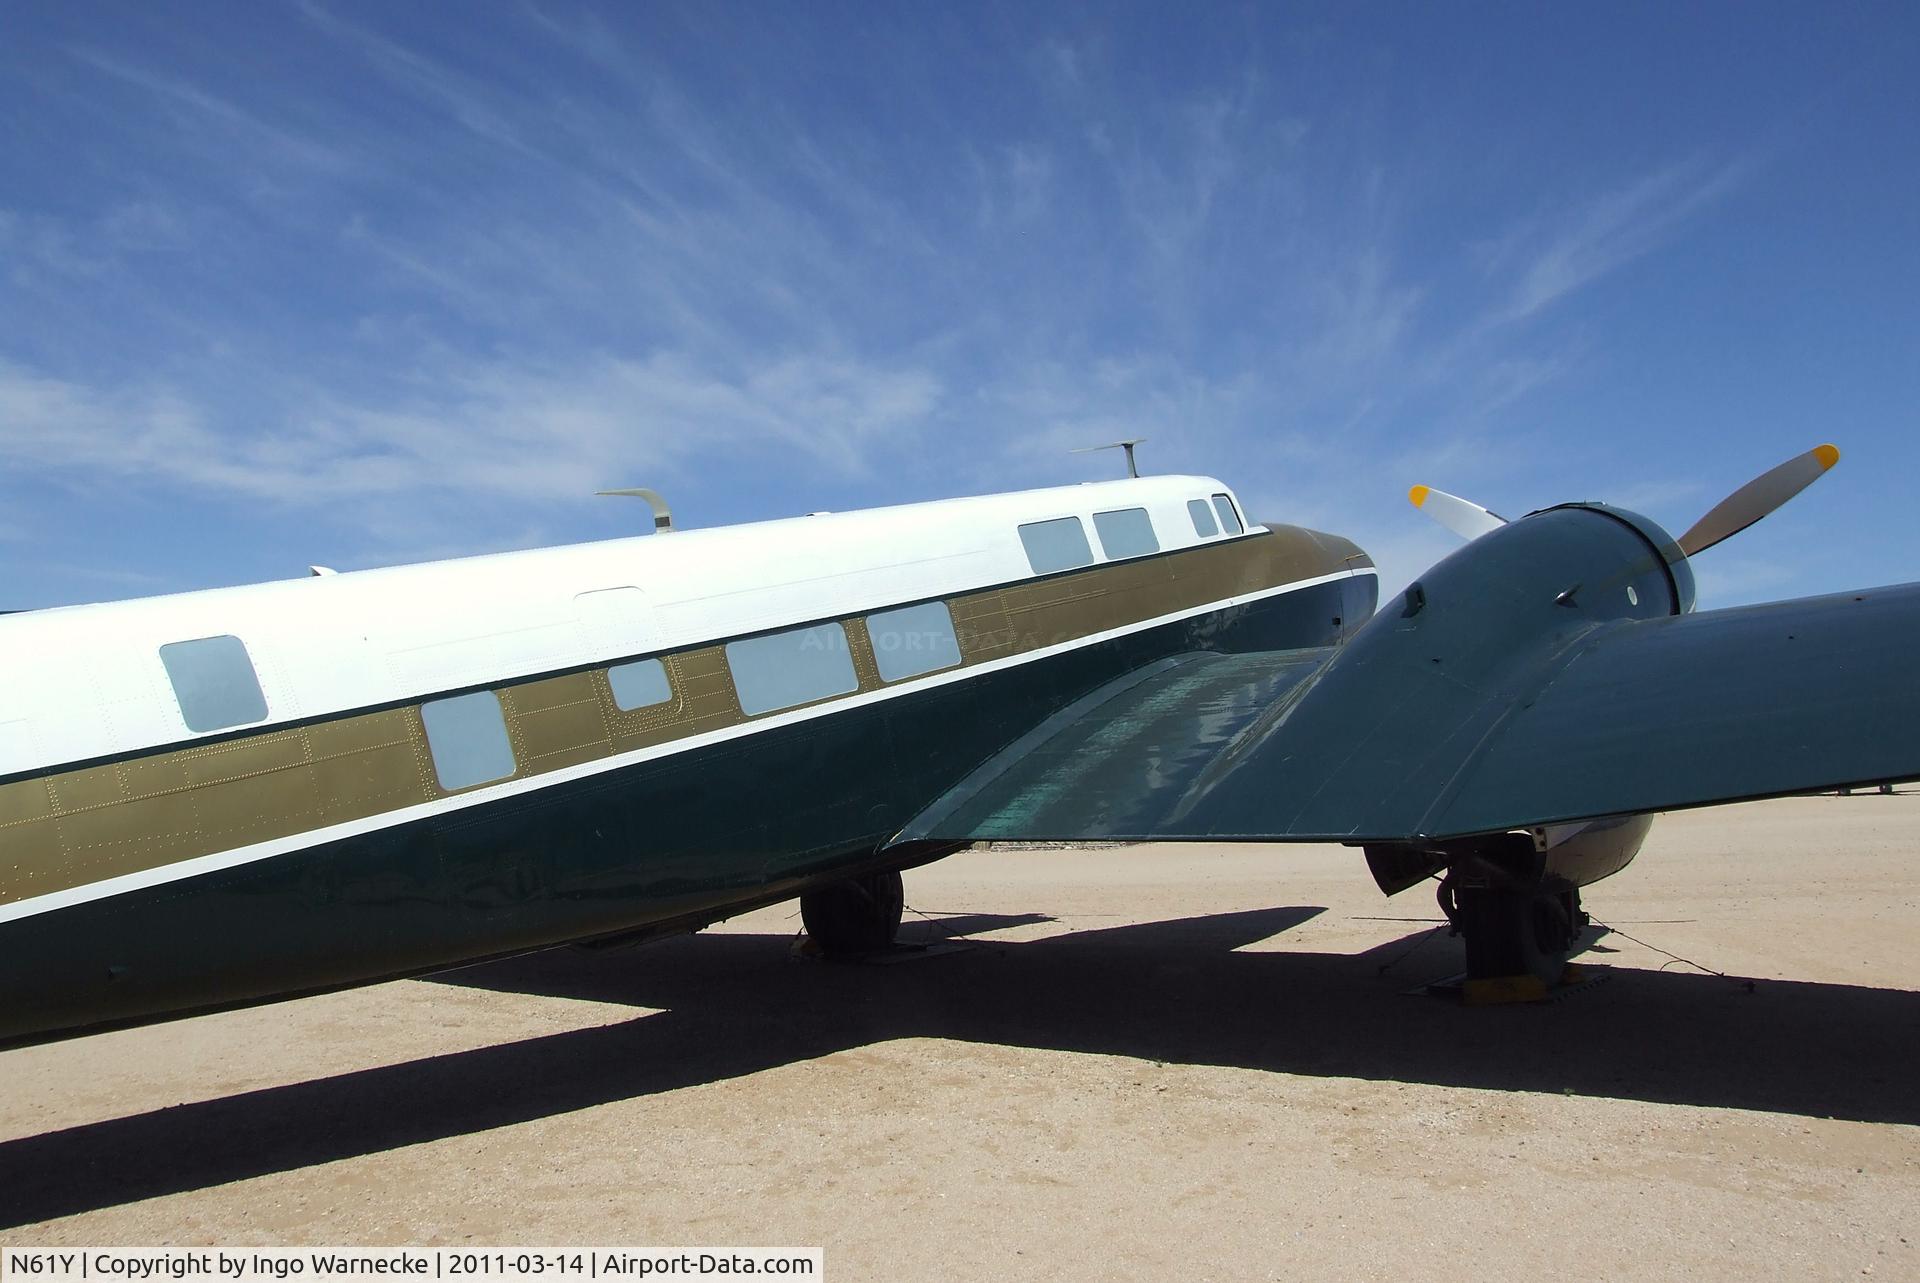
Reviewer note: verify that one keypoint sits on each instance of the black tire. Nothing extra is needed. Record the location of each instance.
(860, 915)
(1515, 933)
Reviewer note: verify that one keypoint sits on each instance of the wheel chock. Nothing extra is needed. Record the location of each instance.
(1495, 991)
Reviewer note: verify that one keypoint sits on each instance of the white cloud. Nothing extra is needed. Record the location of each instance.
(533, 433)
(1016, 186)
(143, 226)
(1549, 258)
(221, 131)
(38, 243)
(537, 287)
(433, 83)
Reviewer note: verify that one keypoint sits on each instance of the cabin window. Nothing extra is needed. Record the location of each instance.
(913, 640)
(214, 682)
(467, 735)
(640, 684)
(1229, 519)
(1127, 532)
(1203, 522)
(784, 670)
(1060, 544)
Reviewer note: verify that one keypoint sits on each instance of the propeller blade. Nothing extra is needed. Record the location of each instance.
(1757, 498)
(1468, 520)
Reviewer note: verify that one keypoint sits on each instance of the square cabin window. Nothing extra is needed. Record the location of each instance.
(641, 684)
(1229, 519)
(1203, 522)
(913, 640)
(1127, 532)
(467, 735)
(1060, 544)
(784, 670)
(214, 682)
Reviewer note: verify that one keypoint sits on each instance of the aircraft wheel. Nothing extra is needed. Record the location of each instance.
(1511, 932)
(860, 915)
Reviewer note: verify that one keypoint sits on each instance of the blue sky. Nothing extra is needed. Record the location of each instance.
(358, 284)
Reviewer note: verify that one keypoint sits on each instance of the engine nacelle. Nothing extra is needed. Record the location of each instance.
(1487, 616)
(1582, 854)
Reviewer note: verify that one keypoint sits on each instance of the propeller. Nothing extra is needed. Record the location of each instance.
(1729, 517)
(1468, 520)
(1758, 497)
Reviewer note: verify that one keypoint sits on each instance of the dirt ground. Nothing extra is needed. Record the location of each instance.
(1156, 1062)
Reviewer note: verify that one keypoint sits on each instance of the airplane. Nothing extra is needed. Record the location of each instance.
(228, 797)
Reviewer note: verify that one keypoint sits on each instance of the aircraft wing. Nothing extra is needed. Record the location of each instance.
(1399, 736)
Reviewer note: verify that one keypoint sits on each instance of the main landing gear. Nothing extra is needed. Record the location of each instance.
(855, 917)
(1518, 924)
(1510, 932)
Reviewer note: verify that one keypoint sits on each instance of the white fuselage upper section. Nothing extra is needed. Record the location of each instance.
(87, 681)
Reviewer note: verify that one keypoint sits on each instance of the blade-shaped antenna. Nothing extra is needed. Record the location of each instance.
(1468, 520)
(1758, 497)
(662, 517)
(1127, 445)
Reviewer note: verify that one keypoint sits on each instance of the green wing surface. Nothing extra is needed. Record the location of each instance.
(1129, 759)
(1399, 736)
(1723, 706)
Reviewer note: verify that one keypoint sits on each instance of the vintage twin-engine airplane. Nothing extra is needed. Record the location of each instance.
(226, 797)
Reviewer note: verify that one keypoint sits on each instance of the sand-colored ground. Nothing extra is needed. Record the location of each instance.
(1158, 1062)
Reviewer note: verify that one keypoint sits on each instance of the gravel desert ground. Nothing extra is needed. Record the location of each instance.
(1148, 1062)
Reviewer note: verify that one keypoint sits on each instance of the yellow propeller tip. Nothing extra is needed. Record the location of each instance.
(1827, 454)
(1418, 495)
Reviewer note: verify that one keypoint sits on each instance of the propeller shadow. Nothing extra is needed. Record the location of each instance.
(1176, 991)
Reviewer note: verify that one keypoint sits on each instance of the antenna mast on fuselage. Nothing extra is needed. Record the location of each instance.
(662, 515)
(1133, 469)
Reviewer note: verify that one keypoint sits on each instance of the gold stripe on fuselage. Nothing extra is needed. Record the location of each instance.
(70, 828)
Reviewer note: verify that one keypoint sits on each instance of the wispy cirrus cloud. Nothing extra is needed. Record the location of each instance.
(530, 432)
(217, 128)
(464, 98)
(1548, 257)
(595, 246)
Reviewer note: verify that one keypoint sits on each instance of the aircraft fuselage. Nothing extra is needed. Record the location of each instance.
(445, 763)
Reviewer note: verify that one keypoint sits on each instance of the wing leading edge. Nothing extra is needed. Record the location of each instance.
(1401, 735)
(1724, 706)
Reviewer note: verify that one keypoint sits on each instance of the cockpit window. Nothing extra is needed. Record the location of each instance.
(1203, 522)
(1229, 519)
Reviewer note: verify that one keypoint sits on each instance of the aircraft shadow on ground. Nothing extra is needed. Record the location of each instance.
(1177, 991)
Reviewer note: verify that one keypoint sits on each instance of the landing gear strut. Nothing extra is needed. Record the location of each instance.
(1518, 922)
(1511, 931)
(860, 915)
